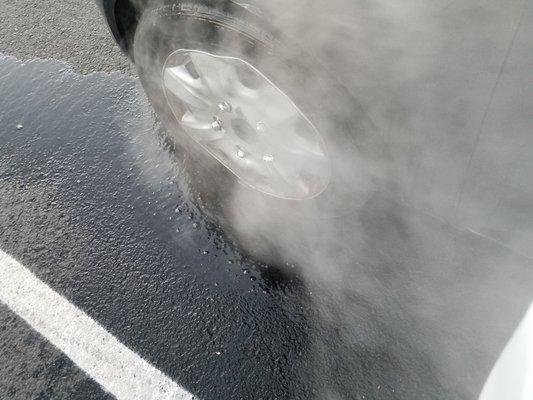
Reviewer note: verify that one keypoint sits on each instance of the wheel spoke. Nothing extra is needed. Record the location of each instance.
(197, 121)
(185, 87)
(289, 178)
(313, 163)
(221, 78)
(286, 138)
(200, 128)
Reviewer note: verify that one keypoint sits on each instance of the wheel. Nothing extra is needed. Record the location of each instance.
(271, 138)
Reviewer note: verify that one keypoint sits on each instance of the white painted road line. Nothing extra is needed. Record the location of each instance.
(116, 368)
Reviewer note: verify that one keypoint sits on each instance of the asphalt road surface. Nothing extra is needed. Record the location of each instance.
(113, 285)
(69, 30)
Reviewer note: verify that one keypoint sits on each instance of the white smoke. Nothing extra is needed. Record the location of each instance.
(386, 277)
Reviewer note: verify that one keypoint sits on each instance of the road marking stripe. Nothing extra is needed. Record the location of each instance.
(116, 368)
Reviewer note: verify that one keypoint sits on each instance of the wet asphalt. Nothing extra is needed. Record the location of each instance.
(94, 203)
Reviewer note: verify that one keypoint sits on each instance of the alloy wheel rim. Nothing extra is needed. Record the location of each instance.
(247, 123)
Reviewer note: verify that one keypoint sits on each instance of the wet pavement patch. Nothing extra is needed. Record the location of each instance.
(93, 202)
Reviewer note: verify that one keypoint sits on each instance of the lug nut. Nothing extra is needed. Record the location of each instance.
(260, 126)
(224, 106)
(216, 124)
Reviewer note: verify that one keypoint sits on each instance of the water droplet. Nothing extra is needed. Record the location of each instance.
(205, 252)
(240, 152)
(245, 271)
(195, 225)
(268, 158)
(253, 278)
(178, 230)
(19, 127)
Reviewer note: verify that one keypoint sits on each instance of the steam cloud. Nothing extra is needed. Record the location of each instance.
(408, 295)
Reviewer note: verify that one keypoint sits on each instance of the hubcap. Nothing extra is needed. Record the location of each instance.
(247, 123)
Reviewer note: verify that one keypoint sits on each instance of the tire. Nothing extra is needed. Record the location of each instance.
(250, 217)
